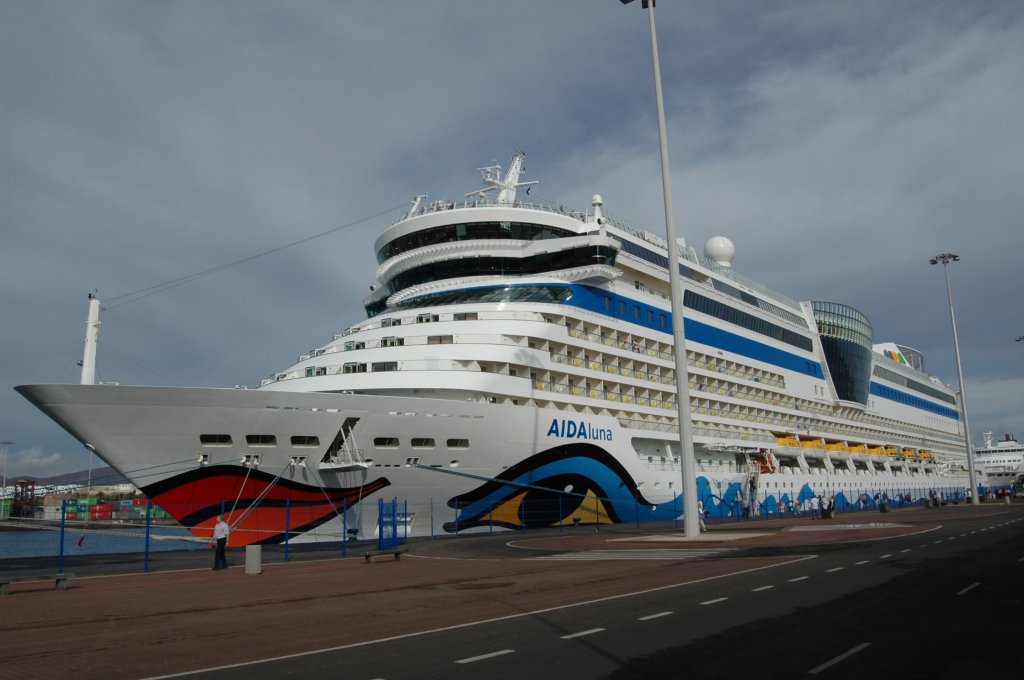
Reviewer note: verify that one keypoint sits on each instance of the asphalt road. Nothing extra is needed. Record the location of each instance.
(940, 599)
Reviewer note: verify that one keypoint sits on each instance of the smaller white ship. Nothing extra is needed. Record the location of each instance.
(1002, 462)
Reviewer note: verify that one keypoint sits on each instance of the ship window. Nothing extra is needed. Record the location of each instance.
(392, 341)
(261, 440)
(354, 368)
(426, 318)
(439, 339)
(385, 442)
(215, 439)
(457, 443)
(305, 440)
(379, 366)
(466, 316)
(422, 443)
(409, 462)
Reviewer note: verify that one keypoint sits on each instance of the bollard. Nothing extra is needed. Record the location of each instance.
(254, 559)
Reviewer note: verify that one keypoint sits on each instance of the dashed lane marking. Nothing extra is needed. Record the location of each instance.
(970, 587)
(833, 661)
(714, 601)
(582, 633)
(472, 659)
(655, 616)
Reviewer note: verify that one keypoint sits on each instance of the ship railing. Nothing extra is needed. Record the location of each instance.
(611, 341)
(690, 254)
(485, 202)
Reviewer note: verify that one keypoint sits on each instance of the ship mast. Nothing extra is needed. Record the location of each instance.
(92, 331)
(508, 184)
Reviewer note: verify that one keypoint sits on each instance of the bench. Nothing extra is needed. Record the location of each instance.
(60, 581)
(373, 554)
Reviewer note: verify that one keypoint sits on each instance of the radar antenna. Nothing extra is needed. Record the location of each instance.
(508, 185)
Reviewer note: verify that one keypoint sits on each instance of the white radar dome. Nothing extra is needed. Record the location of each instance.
(720, 249)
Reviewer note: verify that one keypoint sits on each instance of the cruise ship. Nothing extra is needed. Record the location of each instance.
(515, 370)
(1001, 462)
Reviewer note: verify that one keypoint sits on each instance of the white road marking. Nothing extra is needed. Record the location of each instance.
(861, 562)
(655, 616)
(832, 662)
(479, 622)
(714, 601)
(757, 590)
(582, 633)
(500, 652)
(798, 578)
(970, 587)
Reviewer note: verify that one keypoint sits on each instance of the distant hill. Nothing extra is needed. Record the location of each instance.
(101, 476)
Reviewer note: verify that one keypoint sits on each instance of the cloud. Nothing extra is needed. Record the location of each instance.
(37, 462)
(839, 144)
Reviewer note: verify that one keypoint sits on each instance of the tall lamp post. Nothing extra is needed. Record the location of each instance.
(3, 505)
(691, 527)
(945, 259)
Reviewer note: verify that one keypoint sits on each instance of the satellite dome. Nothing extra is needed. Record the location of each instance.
(720, 249)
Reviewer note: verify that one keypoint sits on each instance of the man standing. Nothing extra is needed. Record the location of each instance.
(220, 535)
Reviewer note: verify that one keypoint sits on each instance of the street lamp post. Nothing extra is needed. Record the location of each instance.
(3, 505)
(945, 259)
(691, 527)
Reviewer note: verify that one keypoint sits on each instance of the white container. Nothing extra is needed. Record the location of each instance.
(254, 559)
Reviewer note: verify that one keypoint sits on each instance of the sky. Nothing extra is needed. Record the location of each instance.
(839, 144)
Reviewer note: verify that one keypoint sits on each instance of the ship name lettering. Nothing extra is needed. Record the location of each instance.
(581, 429)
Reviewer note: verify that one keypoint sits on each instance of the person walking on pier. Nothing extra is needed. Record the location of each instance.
(220, 536)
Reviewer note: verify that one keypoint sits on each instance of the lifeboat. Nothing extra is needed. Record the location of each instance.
(768, 463)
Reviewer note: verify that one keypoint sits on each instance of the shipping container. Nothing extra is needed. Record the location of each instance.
(70, 515)
(139, 501)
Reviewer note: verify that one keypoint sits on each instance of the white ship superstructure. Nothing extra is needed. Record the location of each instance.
(1001, 462)
(517, 368)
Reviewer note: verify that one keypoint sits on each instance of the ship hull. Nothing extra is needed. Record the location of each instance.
(263, 458)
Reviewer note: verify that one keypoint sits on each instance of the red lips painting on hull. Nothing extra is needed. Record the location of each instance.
(259, 508)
